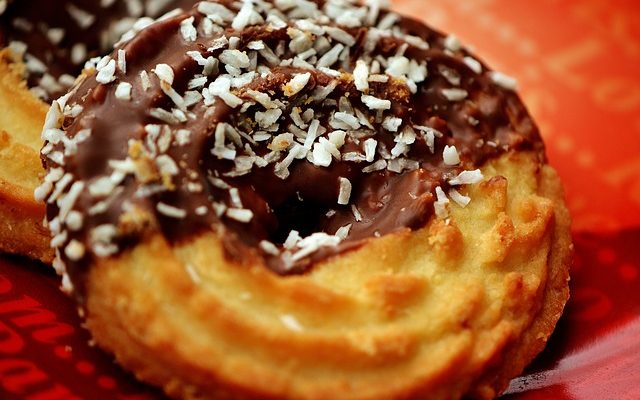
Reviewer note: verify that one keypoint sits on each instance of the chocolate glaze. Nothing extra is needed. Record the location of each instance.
(29, 21)
(490, 121)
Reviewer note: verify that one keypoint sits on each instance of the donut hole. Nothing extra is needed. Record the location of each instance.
(305, 217)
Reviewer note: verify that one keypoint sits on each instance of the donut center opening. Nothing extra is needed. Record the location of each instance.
(304, 216)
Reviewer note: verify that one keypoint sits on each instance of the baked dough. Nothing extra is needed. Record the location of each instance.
(449, 310)
(23, 111)
(298, 200)
(21, 229)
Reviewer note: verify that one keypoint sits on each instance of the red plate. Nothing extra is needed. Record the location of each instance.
(577, 62)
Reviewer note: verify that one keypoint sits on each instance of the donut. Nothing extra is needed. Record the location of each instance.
(55, 38)
(21, 229)
(305, 200)
(43, 47)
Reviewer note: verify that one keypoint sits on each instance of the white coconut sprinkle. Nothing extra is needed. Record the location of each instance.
(452, 43)
(330, 57)
(467, 178)
(450, 155)
(503, 80)
(55, 35)
(296, 84)
(106, 74)
(392, 123)
(370, 149)
(459, 198)
(240, 215)
(145, 82)
(312, 243)
(235, 58)
(343, 231)
(345, 191)
(340, 35)
(267, 118)
(246, 16)
(356, 213)
(269, 248)
(361, 76)
(74, 250)
(221, 88)
(170, 211)
(123, 91)
(473, 64)
(66, 202)
(74, 220)
(455, 94)
(42, 191)
(440, 205)
(164, 72)
(122, 61)
(83, 18)
(376, 166)
(350, 120)
(212, 9)
(187, 30)
(292, 240)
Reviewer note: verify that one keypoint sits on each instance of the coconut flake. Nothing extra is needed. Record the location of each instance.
(240, 214)
(375, 103)
(467, 178)
(345, 191)
(392, 123)
(376, 166)
(123, 91)
(452, 43)
(235, 58)
(246, 16)
(370, 149)
(440, 205)
(122, 60)
(503, 80)
(361, 76)
(473, 64)
(106, 74)
(269, 248)
(164, 73)
(74, 250)
(170, 211)
(450, 155)
(267, 118)
(455, 94)
(296, 84)
(459, 198)
(187, 30)
(330, 57)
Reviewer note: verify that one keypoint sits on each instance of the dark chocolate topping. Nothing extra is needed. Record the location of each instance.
(57, 37)
(297, 130)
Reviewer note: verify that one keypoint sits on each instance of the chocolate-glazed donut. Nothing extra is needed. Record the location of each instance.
(299, 138)
(269, 157)
(56, 38)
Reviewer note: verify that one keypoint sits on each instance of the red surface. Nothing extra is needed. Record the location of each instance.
(577, 63)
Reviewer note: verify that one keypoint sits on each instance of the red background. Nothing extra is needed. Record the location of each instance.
(578, 65)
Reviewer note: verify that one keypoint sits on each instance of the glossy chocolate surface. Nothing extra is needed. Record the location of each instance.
(59, 36)
(181, 178)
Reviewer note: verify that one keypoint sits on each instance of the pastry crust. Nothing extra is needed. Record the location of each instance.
(21, 217)
(454, 309)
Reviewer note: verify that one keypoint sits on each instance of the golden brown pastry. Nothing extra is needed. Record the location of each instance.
(306, 200)
(21, 229)
(44, 47)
